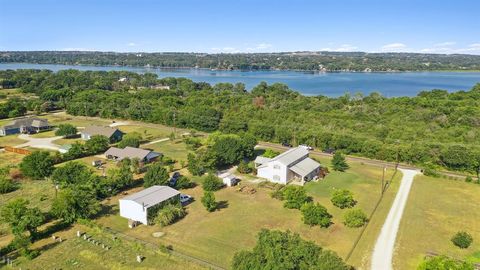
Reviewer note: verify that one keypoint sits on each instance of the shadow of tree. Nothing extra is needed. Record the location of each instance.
(222, 205)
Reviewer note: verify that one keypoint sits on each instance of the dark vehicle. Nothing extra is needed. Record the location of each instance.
(286, 144)
(173, 180)
(329, 151)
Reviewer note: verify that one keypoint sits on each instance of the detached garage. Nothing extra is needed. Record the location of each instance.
(142, 206)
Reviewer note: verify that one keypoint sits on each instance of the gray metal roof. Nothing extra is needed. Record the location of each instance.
(27, 122)
(152, 196)
(130, 152)
(262, 160)
(99, 130)
(292, 155)
(305, 166)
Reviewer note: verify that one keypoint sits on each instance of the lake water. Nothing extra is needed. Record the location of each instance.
(309, 83)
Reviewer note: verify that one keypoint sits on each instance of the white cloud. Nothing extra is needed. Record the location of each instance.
(394, 47)
(259, 47)
(132, 44)
(445, 44)
(342, 48)
(225, 50)
(447, 49)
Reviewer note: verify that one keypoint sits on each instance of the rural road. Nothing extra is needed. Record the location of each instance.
(383, 251)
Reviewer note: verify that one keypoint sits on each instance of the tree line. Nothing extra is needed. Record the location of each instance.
(433, 129)
(314, 61)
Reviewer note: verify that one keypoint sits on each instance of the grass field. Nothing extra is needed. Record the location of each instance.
(216, 236)
(148, 132)
(173, 149)
(76, 253)
(10, 140)
(436, 210)
(9, 158)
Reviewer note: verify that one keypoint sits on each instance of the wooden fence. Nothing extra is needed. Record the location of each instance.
(17, 150)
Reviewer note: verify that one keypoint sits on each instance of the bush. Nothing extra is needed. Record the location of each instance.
(66, 130)
(6, 185)
(462, 239)
(355, 218)
(316, 214)
(343, 198)
(37, 165)
(169, 214)
(430, 172)
(97, 144)
(243, 167)
(269, 153)
(208, 200)
(184, 182)
(444, 262)
(132, 139)
(469, 179)
(212, 183)
(295, 197)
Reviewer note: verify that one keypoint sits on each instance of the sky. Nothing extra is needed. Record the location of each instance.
(230, 26)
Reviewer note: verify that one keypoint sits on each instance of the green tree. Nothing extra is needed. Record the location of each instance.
(37, 165)
(211, 183)
(286, 251)
(355, 218)
(184, 182)
(156, 175)
(131, 139)
(295, 197)
(195, 165)
(97, 144)
(243, 167)
(21, 218)
(343, 198)
(339, 163)
(316, 214)
(444, 263)
(169, 214)
(74, 203)
(269, 153)
(208, 200)
(66, 130)
(6, 184)
(462, 239)
(77, 150)
(73, 173)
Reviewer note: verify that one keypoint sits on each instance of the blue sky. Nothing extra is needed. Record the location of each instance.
(241, 25)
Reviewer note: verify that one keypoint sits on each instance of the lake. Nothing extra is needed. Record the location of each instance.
(390, 84)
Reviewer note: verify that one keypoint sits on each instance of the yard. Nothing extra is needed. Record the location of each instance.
(216, 236)
(435, 211)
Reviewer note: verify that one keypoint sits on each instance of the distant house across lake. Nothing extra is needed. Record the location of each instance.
(113, 134)
(25, 125)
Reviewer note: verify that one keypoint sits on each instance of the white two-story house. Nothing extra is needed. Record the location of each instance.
(292, 165)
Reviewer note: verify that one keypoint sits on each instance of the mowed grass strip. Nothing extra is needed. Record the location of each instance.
(435, 211)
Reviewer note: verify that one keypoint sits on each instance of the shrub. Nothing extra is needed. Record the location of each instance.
(295, 197)
(462, 239)
(243, 167)
(212, 183)
(468, 179)
(269, 153)
(355, 218)
(66, 130)
(6, 185)
(430, 172)
(208, 200)
(316, 214)
(97, 144)
(343, 198)
(184, 182)
(156, 175)
(132, 139)
(169, 214)
(37, 165)
(444, 262)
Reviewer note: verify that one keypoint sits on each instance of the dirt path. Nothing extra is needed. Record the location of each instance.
(43, 143)
(383, 251)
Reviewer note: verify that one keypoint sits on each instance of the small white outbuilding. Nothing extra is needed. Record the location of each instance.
(136, 207)
(228, 179)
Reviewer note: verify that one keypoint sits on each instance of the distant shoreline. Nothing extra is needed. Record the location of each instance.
(251, 70)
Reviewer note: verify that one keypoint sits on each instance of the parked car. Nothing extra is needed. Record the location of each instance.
(184, 198)
(173, 180)
(329, 151)
(308, 147)
(286, 144)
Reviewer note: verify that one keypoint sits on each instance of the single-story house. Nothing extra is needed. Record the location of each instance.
(145, 156)
(292, 165)
(143, 206)
(113, 134)
(25, 125)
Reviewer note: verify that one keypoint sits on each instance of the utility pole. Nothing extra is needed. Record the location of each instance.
(383, 179)
(175, 121)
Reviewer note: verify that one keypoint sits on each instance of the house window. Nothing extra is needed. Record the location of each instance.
(276, 167)
(276, 178)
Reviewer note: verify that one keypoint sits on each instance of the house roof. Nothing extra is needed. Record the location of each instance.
(27, 121)
(130, 152)
(152, 196)
(290, 156)
(100, 130)
(305, 166)
(262, 160)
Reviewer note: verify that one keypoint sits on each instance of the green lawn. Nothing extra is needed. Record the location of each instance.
(76, 253)
(176, 149)
(217, 236)
(436, 210)
(149, 133)
(10, 140)
(45, 134)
